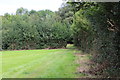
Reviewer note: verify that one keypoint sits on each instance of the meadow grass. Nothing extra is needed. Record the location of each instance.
(53, 63)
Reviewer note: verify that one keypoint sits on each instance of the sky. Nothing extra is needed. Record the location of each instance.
(10, 6)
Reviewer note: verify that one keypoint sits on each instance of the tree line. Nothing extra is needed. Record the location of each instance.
(34, 30)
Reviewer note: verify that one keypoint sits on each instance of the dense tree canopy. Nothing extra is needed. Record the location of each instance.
(34, 29)
(96, 30)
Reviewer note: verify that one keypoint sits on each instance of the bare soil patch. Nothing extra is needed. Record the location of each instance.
(85, 64)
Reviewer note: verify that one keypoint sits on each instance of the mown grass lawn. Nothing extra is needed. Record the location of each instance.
(53, 63)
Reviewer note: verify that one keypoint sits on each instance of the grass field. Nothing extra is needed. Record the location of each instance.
(53, 63)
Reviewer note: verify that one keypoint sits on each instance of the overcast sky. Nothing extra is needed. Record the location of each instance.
(10, 6)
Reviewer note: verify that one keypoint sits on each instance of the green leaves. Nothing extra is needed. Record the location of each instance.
(37, 29)
(96, 31)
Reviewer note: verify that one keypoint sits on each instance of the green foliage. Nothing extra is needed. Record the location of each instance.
(82, 30)
(21, 11)
(96, 30)
(35, 30)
